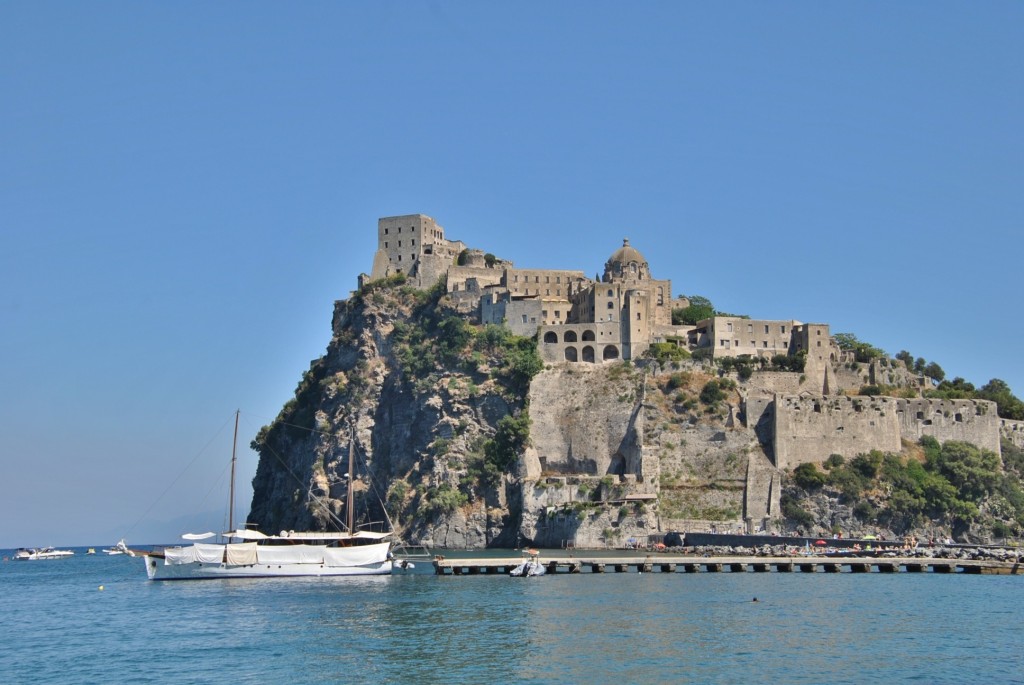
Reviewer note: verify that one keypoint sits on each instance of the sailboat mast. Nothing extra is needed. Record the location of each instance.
(350, 498)
(234, 460)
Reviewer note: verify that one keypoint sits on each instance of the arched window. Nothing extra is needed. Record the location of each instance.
(588, 335)
(588, 354)
(570, 354)
(611, 305)
(611, 352)
(550, 337)
(570, 336)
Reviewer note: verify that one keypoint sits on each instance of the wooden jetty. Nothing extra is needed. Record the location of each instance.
(666, 563)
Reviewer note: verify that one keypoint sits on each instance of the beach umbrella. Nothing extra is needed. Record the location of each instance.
(820, 542)
(870, 537)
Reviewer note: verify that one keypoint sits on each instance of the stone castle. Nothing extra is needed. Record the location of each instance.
(782, 418)
(578, 319)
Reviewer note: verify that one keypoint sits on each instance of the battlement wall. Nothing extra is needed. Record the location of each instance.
(973, 421)
(460, 277)
(809, 429)
(1012, 431)
(768, 383)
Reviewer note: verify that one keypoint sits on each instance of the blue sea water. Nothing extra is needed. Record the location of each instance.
(60, 627)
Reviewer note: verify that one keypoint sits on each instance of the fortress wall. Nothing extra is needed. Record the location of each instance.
(767, 383)
(430, 268)
(850, 380)
(755, 408)
(810, 429)
(973, 421)
(458, 275)
(1012, 431)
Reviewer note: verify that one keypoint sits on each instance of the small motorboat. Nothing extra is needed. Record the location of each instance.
(119, 548)
(32, 554)
(529, 567)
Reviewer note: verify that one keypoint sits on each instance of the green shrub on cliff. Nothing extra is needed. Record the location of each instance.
(443, 499)
(666, 353)
(1008, 405)
(502, 451)
(957, 484)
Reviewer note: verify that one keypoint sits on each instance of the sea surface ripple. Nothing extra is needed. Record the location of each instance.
(60, 627)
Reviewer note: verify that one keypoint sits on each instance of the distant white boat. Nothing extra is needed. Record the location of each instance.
(31, 554)
(252, 554)
(119, 548)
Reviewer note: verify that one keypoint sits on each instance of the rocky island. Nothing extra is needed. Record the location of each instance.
(493, 406)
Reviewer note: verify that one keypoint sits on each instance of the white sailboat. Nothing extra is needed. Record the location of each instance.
(252, 554)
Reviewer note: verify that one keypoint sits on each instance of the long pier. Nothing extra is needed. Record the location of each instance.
(664, 563)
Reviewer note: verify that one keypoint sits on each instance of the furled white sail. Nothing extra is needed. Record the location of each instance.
(290, 554)
(242, 554)
(356, 556)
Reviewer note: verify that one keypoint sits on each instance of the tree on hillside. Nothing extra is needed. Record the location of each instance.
(863, 352)
(1010, 407)
(956, 389)
(935, 371)
(700, 308)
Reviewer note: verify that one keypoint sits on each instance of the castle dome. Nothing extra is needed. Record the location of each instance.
(625, 263)
(626, 254)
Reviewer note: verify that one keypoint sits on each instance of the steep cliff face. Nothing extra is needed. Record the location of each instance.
(424, 395)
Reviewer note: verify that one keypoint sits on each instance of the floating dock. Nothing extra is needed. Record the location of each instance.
(664, 563)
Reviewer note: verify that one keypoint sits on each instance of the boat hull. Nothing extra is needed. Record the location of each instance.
(373, 560)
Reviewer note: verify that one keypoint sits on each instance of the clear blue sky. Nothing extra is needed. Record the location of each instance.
(185, 189)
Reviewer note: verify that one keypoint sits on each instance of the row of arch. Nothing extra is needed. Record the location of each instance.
(569, 337)
(588, 355)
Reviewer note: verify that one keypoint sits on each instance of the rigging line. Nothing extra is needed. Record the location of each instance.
(339, 524)
(180, 474)
(373, 486)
